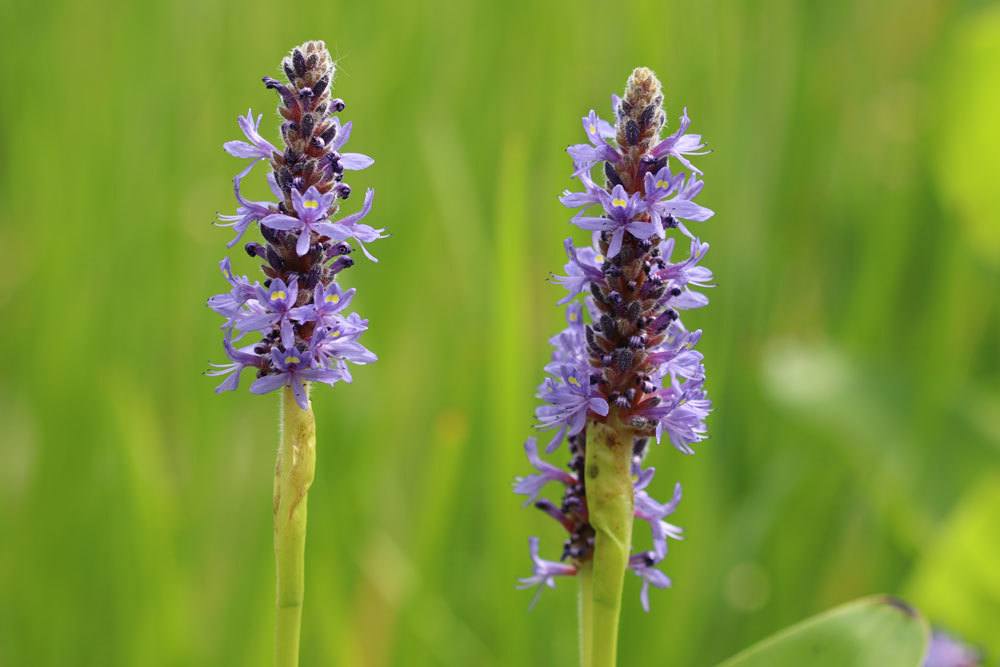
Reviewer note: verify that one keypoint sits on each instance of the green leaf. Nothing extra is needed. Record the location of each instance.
(879, 631)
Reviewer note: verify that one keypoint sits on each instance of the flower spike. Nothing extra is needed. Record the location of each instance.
(625, 371)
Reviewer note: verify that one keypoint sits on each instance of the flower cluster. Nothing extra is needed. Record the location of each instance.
(299, 310)
(625, 355)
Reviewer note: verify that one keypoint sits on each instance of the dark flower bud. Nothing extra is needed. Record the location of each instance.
(299, 62)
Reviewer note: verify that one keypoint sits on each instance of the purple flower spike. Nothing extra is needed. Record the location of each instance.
(625, 360)
(299, 308)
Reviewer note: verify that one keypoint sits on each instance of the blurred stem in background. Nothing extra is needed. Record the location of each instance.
(293, 474)
(610, 503)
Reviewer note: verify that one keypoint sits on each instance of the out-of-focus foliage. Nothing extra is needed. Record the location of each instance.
(853, 343)
(874, 632)
(957, 580)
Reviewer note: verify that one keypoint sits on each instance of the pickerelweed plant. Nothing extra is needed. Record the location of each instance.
(298, 312)
(625, 369)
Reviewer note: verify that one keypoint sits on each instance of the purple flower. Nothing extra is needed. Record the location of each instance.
(294, 367)
(679, 144)
(240, 358)
(623, 212)
(586, 155)
(532, 485)
(643, 564)
(569, 346)
(583, 267)
(681, 413)
(588, 197)
(653, 513)
(349, 161)
(274, 309)
(348, 227)
(335, 346)
(228, 305)
(312, 208)
(326, 305)
(946, 651)
(544, 572)
(249, 212)
(569, 398)
(680, 276)
(660, 205)
(258, 148)
(676, 356)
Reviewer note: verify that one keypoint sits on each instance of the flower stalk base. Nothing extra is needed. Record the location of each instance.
(293, 475)
(610, 504)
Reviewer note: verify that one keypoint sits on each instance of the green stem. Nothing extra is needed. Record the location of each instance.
(610, 505)
(585, 611)
(293, 474)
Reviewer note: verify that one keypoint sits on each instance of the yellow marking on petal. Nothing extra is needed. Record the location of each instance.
(292, 360)
(620, 203)
(592, 129)
(335, 334)
(278, 295)
(332, 298)
(311, 203)
(572, 317)
(662, 185)
(599, 259)
(573, 381)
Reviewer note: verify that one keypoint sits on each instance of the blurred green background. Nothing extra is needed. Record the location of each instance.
(852, 344)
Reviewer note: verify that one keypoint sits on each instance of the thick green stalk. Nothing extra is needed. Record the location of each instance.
(610, 505)
(293, 474)
(585, 611)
